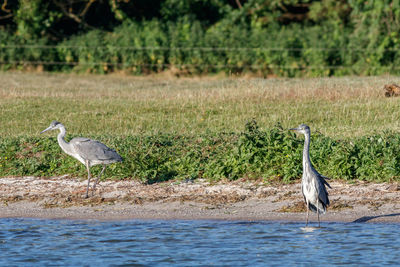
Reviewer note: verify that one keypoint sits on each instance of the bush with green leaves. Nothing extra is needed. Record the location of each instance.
(254, 153)
(274, 37)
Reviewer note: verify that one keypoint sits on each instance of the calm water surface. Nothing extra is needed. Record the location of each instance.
(34, 242)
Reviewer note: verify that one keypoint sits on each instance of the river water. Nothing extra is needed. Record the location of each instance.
(39, 242)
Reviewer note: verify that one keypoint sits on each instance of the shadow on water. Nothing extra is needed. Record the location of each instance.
(367, 218)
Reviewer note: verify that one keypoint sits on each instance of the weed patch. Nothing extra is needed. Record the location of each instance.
(273, 154)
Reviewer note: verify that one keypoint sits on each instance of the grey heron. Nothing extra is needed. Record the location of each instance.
(89, 152)
(312, 183)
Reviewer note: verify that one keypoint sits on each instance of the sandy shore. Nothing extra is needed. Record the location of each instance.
(62, 198)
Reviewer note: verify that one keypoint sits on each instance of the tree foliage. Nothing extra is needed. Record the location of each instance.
(267, 37)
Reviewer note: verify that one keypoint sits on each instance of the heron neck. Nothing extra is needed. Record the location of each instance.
(306, 152)
(61, 141)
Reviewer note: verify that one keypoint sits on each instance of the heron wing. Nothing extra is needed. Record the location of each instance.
(94, 150)
(324, 178)
(322, 192)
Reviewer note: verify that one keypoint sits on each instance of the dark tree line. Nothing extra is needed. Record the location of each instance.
(325, 37)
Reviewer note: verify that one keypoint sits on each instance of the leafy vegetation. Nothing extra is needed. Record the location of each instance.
(274, 37)
(273, 153)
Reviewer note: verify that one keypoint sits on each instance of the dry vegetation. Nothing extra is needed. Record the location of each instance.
(126, 105)
(61, 197)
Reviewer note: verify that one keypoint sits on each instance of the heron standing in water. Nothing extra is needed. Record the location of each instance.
(89, 152)
(312, 183)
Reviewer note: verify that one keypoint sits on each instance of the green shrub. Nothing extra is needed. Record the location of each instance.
(276, 37)
(254, 153)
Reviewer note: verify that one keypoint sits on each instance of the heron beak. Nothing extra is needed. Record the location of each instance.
(294, 129)
(47, 129)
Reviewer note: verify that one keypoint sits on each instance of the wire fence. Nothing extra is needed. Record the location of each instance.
(198, 48)
(164, 65)
(4, 60)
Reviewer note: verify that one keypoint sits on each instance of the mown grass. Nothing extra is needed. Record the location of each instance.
(168, 128)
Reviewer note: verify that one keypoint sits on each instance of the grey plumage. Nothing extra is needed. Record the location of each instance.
(312, 183)
(89, 152)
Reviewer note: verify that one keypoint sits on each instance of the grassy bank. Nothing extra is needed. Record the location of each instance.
(272, 154)
(168, 128)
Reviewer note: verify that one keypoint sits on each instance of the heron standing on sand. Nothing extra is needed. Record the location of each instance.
(312, 183)
(89, 152)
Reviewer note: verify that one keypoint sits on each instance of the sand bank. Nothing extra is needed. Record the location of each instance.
(62, 198)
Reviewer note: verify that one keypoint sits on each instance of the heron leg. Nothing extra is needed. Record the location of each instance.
(89, 177)
(98, 178)
(319, 224)
(308, 209)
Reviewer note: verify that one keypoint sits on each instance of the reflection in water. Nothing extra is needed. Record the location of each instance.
(309, 229)
(65, 242)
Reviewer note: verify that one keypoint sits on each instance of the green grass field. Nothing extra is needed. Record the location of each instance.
(167, 128)
(124, 105)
